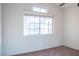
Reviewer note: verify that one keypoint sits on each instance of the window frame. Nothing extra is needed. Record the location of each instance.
(39, 9)
(39, 25)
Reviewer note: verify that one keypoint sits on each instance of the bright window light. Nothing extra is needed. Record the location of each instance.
(37, 9)
(37, 25)
(43, 10)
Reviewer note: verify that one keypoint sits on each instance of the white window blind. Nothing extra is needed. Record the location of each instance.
(37, 25)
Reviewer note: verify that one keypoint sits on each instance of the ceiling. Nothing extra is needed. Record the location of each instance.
(66, 4)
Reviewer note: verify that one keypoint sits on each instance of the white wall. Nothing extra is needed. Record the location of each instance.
(12, 24)
(0, 28)
(71, 27)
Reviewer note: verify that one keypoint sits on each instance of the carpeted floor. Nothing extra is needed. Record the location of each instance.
(58, 51)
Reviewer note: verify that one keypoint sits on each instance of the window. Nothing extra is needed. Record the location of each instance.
(37, 25)
(37, 9)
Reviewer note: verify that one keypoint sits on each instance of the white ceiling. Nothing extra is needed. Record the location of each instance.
(66, 5)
